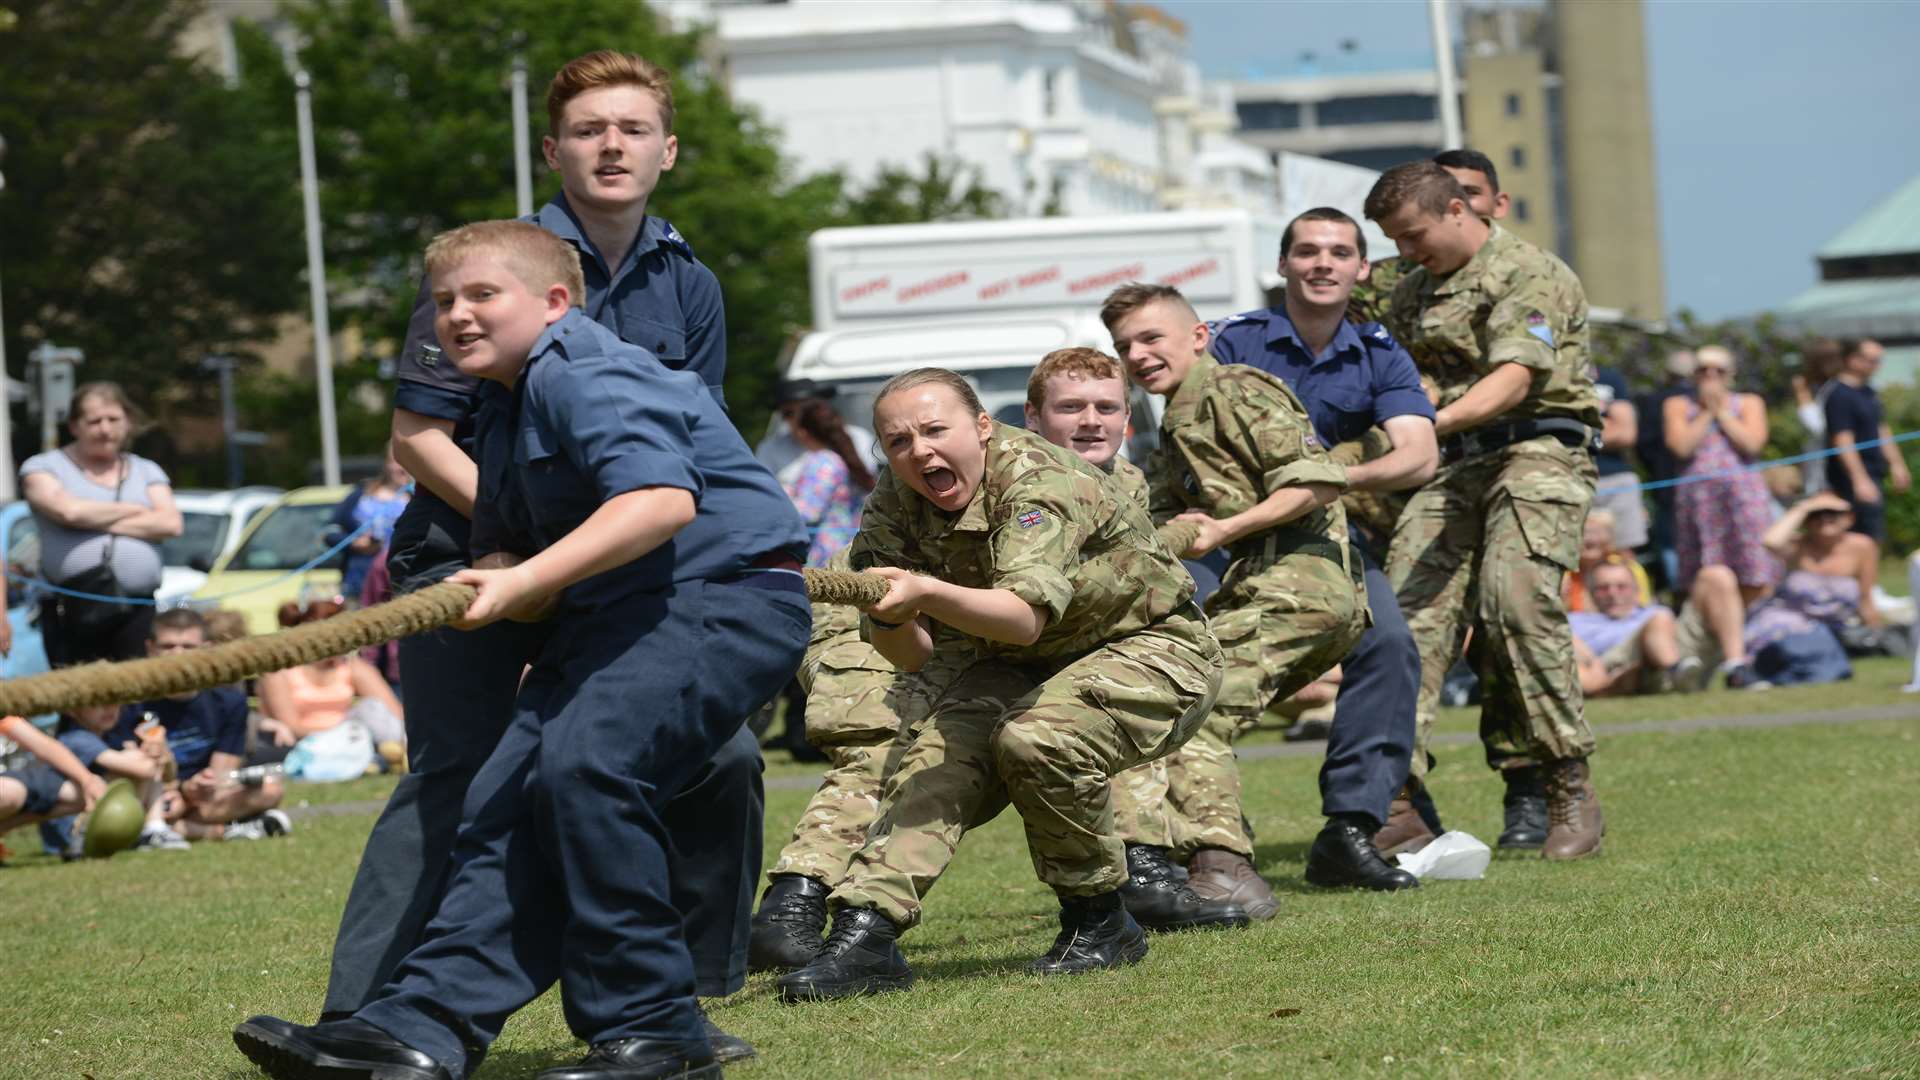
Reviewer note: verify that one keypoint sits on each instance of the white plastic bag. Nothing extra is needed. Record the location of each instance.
(1453, 856)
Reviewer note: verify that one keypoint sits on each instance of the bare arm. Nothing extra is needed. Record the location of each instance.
(625, 527)
(1412, 461)
(1864, 489)
(1496, 392)
(51, 501)
(49, 749)
(1620, 428)
(1683, 435)
(1276, 509)
(132, 764)
(1898, 478)
(424, 446)
(907, 646)
(1867, 572)
(161, 522)
(1748, 431)
(276, 698)
(367, 683)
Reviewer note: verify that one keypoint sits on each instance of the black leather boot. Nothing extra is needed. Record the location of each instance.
(787, 928)
(1095, 932)
(1343, 854)
(861, 956)
(1158, 899)
(1526, 805)
(337, 1050)
(640, 1059)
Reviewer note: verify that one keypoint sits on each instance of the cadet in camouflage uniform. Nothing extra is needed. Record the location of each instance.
(1501, 328)
(1091, 659)
(1077, 398)
(1239, 457)
(857, 703)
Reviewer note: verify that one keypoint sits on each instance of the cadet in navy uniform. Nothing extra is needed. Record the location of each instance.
(1350, 378)
(611, 116)
(617, 502)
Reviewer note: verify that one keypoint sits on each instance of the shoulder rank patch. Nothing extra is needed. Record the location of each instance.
(1030, 518)
(1537, 326)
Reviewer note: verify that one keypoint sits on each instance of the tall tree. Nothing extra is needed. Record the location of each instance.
(149, 215)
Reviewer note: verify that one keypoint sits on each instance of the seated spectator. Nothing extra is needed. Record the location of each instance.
(316, 697)
(1913, 590)
(55, 785)
(203, 734)
(87, 732)
(1597, 546)
(1625, 646)
(1720, 512)
(1793, 634)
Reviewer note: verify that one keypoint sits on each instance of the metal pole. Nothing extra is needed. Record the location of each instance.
(522, 143)
(229, 418)
(317, 282)
(1449, 91)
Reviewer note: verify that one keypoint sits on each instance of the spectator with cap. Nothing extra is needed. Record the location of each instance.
(1715, 434)
(780, 451)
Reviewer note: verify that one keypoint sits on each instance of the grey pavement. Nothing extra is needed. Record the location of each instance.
(1904, 711)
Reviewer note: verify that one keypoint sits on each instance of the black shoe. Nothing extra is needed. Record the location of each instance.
(1158, 899)
(861, 956)
(787, 928)
(1526, 806)
(727, 1047)
(340, 1050)
(640, 1059)
(1095, 932)
(1343, 854)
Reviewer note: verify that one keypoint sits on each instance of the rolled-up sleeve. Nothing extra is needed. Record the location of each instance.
(625, 427)
(1278, 443)
(882, 539)
(1396, 386)
(1036, 539)
(1526, 327)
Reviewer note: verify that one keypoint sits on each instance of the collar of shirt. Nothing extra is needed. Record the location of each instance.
(1187, 396)
(1469, 275)
(1281, 332)
(557, 217)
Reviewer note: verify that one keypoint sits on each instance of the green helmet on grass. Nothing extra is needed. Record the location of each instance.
(116, 821)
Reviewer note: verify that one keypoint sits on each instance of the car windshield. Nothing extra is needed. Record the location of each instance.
(201, 538)
(286, 538)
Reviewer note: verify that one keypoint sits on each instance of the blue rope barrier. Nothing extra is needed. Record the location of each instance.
(1759, 466)
(147, 601)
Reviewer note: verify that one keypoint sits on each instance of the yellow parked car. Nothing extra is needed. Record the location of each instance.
(281, 538)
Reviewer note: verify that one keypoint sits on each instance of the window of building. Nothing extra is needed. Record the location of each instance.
(1521, 211)
(1050, 93)
(1378, 109)
(1513, 104)
(1268, 115)
(1517, 158)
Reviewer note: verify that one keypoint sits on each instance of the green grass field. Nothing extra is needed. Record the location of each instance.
(1754, 913)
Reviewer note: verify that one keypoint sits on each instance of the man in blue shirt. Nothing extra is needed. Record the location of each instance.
(1854, 418)
(610, 139)
(1352, 378)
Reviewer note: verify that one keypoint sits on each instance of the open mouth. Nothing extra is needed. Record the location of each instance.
(1149, 371)
(468, 340)
(609, 171)
(940, 481)
(1089, 442)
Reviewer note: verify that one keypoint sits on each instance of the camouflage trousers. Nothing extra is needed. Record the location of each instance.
(1486, 545)
(857, 704)
(1281, 624)
(1044, 738)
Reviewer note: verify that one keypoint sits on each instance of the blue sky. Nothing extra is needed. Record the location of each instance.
(1775, 123)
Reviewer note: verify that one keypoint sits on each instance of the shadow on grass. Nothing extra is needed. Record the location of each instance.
(1283, 863)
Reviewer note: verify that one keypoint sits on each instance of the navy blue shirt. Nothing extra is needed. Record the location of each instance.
(592, 417)
(84, 745)
(1360, 380)
(660, 298)
(211, 722)
(1856, 410)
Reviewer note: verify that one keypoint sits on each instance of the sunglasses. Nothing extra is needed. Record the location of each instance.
(1713, 369)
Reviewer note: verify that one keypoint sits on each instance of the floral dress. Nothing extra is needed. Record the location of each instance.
(822, 490)
(1719, 522)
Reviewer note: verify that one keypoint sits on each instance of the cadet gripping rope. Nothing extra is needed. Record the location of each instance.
(218, 665)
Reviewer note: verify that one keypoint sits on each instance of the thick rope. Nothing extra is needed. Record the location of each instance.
(220, 665)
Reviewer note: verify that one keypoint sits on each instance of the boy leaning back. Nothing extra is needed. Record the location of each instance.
(618, 501)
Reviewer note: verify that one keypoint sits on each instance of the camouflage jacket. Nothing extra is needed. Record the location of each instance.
(1233, 435)
(1511, 303)
(1370, 298)
(1044, 525)
(1130, 480)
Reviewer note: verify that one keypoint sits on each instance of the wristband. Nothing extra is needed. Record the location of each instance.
(882, 625)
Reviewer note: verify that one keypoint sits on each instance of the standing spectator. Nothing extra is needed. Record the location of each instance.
(1618, 489)
(100, 511)
(1651, 448)
(1853, 417)
(376, 505)
(1831, 570)
(1714, 431)
(832, 479)
(1812, 384)
(779, 451)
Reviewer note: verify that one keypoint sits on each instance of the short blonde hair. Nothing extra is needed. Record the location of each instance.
(1716, 354)
(603, 68)
(1077, 363)
(537, 257)
(907, 380)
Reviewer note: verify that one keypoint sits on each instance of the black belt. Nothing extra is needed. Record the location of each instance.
(1497, 436)
(1286, 540)
(777, 570)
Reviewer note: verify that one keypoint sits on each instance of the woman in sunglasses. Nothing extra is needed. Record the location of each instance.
(1718, 432)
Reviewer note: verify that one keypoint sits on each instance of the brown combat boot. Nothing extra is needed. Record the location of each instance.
(1405, 830)
(1219, 874)
(1574, 821)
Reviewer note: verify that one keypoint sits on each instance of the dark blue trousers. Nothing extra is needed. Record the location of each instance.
(1370, 747)
(564, 867)
(458, 688)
